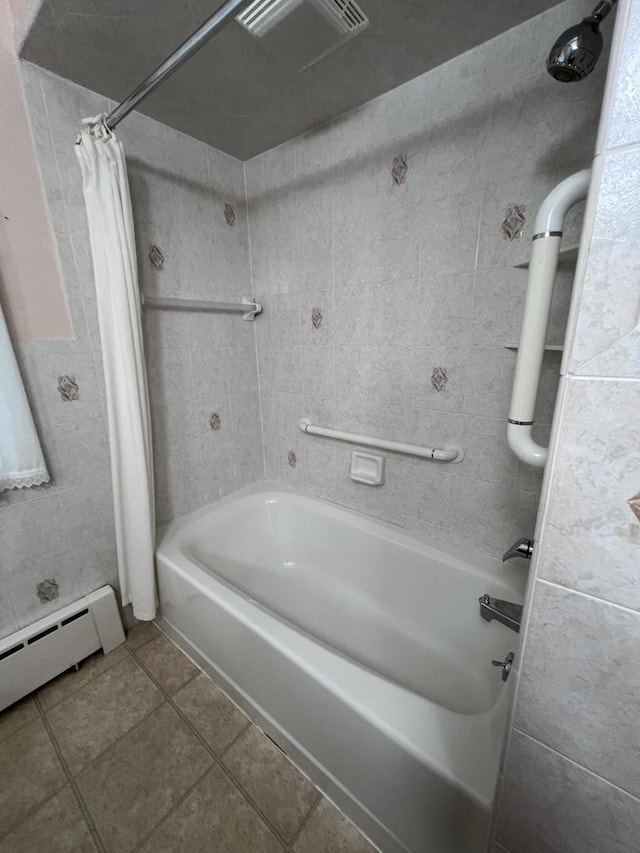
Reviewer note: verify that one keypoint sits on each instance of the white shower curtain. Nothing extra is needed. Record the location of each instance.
(106, 193)
(21, 461)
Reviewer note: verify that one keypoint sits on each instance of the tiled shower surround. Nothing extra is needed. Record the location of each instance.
(382, 247)
(572, 768)
(400, 224)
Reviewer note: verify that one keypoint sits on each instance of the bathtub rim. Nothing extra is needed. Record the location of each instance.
(405, 536)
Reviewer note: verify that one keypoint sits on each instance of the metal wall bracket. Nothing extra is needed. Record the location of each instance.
(254, 310)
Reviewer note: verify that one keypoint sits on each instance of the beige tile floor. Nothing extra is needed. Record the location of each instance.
(140, 751)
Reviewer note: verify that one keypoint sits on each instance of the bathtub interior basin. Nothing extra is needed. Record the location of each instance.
(407, 611)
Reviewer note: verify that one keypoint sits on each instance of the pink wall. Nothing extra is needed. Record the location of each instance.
(31, 289)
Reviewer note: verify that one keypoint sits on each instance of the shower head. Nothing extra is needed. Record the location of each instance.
(575, 53)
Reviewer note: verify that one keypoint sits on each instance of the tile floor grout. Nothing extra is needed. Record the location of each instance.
(86, 814)
(39, 805)
(219, 758)
(71, 778)
(81, 686)
(166, 700)
(116, 740)
(179, 802)
(306, 818)
(34, 809)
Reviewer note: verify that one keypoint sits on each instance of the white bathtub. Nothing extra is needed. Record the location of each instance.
(358, 648)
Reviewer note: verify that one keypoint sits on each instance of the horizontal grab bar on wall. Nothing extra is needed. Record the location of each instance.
(248, 308)
(450, 453)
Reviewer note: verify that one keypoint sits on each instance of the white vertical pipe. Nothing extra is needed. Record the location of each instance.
(542, 271)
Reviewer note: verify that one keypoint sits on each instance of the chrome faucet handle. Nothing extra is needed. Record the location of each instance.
(521, 548)
(506, 665)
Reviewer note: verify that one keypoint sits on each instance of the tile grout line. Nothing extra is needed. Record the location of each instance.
(239, 735)
(35, 808)
(576, 764)
(20, 726)
(218, 759)
(250, 799)
(255, 331)
(120, 737)
(71, 777)
(307, 818)
(319, 793)
(80, 687)
(27, 817)
(31, 813)
(84, 809)
(153, 711)
(251, 802)
(176, 805)
(185, 719)
(43, 715)
(588, 595)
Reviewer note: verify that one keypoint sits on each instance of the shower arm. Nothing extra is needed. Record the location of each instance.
(601, 11)
(543, 263)
(184, 52)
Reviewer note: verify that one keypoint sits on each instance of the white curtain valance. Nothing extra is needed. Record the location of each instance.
(108, 203)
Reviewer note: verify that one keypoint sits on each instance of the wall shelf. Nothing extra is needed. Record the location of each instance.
(566, 257)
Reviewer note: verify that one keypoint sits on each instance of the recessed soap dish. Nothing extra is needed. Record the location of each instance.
(367, 468)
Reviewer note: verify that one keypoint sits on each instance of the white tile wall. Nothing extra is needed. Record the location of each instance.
(592, 538)
(551, 804)
(571, 776)
(198, 364)
(581, 653)
(414, 276)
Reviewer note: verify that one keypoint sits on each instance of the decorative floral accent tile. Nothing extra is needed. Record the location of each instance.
(634, 505)
(214, 421)
(514, 222)
(68, 388)
(291, 459)
(47, 590)
(156, 257)
(439, 378)
(399, 169)
(316, 318)
(229, 214)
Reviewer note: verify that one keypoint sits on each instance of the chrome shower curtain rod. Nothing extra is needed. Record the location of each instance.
(202, 35)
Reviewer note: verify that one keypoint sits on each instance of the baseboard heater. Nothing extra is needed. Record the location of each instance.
(34, 655)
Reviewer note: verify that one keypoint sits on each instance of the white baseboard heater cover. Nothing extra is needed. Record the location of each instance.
(34, 655)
